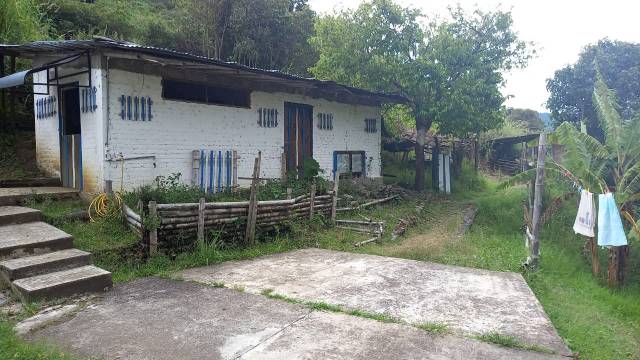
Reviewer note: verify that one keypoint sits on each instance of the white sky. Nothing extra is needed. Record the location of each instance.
(559, 28)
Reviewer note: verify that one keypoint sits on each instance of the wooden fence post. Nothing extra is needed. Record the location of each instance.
(312, 198)
(195, 175)
(537, 202)
(289, 193)
(153, 233)
(143, 232)
(334, 199)
(201, 206)
(252, 213)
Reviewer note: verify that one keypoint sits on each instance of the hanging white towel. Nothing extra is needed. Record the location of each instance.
(585, 220)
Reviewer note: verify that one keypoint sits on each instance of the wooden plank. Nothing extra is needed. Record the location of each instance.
(250, 234)
(334, 199)
(201, 208)
(312, 196)
(153, 233)
(130, 213)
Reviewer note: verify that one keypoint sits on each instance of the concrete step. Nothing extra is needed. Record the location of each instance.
(64, 283)
(32, 182)
(18, 215)
(15, 195)
(34, 238)
(29, 266)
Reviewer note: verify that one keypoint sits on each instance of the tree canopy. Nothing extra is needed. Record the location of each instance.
(451, 71)
(270, 34)
(571, 87)
(530, 119)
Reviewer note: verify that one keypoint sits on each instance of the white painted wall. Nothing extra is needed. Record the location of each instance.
(178, 128)
(47, 129)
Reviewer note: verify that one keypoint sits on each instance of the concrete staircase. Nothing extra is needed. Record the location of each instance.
(38, 260)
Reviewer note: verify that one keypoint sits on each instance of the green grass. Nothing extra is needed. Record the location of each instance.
(510, 342)
(12, 347)
(323, 306)
(435, 328)
(595, 321)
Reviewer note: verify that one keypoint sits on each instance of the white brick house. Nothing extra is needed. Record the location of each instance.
(110, 110)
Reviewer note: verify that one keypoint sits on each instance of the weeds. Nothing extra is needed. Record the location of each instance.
(510, 342)
(434, 328)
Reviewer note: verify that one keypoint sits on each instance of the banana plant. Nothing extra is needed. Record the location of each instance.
(599, 167)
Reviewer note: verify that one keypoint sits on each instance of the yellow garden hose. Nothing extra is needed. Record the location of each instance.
(104, 204)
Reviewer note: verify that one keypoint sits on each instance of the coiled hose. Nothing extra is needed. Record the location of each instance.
(104, 204)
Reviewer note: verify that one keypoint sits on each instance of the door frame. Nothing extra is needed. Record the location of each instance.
(71, 174)
(299, 134)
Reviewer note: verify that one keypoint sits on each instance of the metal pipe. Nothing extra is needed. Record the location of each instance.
(108, 117)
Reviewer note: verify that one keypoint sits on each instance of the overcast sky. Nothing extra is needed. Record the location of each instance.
(560, 29)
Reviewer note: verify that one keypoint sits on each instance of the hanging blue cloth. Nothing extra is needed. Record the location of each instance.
(610, 230)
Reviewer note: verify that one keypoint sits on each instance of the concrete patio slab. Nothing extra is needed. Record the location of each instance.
(156, 318)
(469, 301)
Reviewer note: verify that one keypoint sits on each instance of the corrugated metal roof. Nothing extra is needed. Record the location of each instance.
(66, 46)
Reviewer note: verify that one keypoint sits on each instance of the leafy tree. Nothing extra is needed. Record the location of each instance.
(21, 21)
(450, 71)
(571, 87)
(147, 22)
(530, 119)
(269, 34)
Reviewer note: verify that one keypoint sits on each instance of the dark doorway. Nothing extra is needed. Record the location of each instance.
(70, 137)
(298, 136)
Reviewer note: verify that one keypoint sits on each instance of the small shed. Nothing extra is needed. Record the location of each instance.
(108, 110)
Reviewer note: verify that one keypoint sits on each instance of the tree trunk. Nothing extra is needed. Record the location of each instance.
(476, 153)
(537, 202)
(595, 260)
(616, 270)
(422, 126)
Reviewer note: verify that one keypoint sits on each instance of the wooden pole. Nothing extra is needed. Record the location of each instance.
(12, 98)
(289, 193)
(143, 231)
(312, 197)
(153, 233)
(3, 109)
(252, 213)
(201, 207)
(476, 153)
(334, 199)
(537, 202)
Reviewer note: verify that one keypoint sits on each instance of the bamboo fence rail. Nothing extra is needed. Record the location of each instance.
(228, 218)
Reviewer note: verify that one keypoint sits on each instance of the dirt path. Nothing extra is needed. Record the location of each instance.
(430, 238)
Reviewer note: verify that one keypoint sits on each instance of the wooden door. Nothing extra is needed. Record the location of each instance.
(70, 137)
(298, 136)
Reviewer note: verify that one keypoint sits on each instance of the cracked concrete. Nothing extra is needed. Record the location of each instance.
(470, 301)
(156, 318)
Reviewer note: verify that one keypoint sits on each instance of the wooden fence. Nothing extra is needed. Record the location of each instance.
(230, 219)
